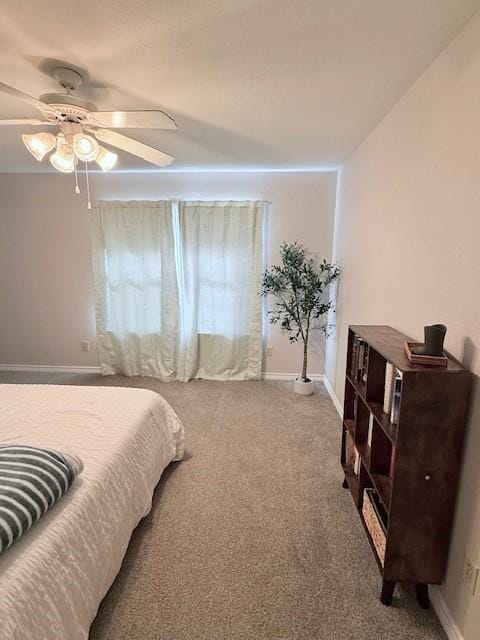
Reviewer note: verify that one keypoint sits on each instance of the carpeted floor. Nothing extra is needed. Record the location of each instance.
(251, 537)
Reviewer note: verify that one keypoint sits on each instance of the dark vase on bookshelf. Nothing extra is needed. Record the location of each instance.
(403, 430)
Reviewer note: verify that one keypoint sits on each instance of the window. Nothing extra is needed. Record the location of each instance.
(169, 274)
(133, 292)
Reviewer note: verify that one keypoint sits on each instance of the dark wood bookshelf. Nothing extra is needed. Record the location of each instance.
(412, 466)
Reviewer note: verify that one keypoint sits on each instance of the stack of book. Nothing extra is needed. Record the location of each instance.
(359, 360)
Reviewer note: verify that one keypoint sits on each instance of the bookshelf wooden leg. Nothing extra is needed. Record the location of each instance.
(422, 595)
(345, 483)
(387, 592)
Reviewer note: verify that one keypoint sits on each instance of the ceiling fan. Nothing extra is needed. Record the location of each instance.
(81, 127)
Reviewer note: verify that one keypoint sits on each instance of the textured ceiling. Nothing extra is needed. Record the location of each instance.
(251, 83)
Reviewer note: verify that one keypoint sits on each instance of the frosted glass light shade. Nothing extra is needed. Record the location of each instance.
(85, 147)
(106, 159)
(63, 158)
(39, 144)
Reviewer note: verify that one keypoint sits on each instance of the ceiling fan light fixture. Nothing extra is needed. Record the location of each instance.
(85, 147)
(39, 144)
(63, 159)
(105, 159)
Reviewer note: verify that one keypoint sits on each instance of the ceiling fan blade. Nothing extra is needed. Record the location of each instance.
(30, 121)
(149, 119)
(134, 147)
(15, 93)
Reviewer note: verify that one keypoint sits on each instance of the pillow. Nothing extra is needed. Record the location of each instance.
(32, 480)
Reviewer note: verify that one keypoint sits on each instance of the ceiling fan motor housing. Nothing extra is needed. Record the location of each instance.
(68, 78)
(72, 109)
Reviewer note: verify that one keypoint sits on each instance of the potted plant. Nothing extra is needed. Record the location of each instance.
(300, 287)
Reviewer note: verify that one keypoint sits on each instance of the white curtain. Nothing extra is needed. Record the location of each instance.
(136, 291)
(222, 262)
(177, 288)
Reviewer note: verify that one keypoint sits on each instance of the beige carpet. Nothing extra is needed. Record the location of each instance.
(251, 537)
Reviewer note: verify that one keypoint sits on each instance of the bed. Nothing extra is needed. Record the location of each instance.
(53, 579)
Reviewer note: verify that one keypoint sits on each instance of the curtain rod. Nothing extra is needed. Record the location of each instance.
(201, 200)
(190, 200)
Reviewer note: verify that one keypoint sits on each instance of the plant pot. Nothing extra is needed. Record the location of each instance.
(303, 387)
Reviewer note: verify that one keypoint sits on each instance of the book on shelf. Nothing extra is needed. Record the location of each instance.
(358, 369)
(370, 430)
(360, 356)
(353, 363)
(362, 359)
(366, 352)
(391, 470)
(356, 464)
(387, 395)
(349, 450)
(396, 396)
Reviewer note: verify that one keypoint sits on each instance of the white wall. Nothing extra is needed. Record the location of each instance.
(46, 295)
(408, 239)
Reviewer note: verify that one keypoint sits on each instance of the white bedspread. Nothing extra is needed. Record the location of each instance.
(53, 579)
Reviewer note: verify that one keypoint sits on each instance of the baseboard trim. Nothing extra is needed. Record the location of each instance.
(333, 396)
(443, 613)
(316, 377)
(47, 368)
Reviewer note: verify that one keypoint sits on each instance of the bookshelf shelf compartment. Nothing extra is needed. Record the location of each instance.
(383, 419)
(376, 408)
(365, 454)
(352, 481)
(383, 486)
(350, 402)
(382, 453)
(358, 386)
(394, 458)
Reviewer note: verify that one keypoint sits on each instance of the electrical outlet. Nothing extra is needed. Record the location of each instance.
(268, 351)
(85, 345)
(470, 574)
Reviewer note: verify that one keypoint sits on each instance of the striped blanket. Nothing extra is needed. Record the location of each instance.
(32, 480)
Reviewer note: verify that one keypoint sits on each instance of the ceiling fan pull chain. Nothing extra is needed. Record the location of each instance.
(77, 188)
(89, 204)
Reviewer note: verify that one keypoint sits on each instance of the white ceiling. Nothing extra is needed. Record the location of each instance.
(251, 83)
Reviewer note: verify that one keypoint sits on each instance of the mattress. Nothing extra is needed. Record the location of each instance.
(53, 579)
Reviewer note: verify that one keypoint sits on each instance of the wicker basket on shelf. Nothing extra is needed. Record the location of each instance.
(374, 525)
